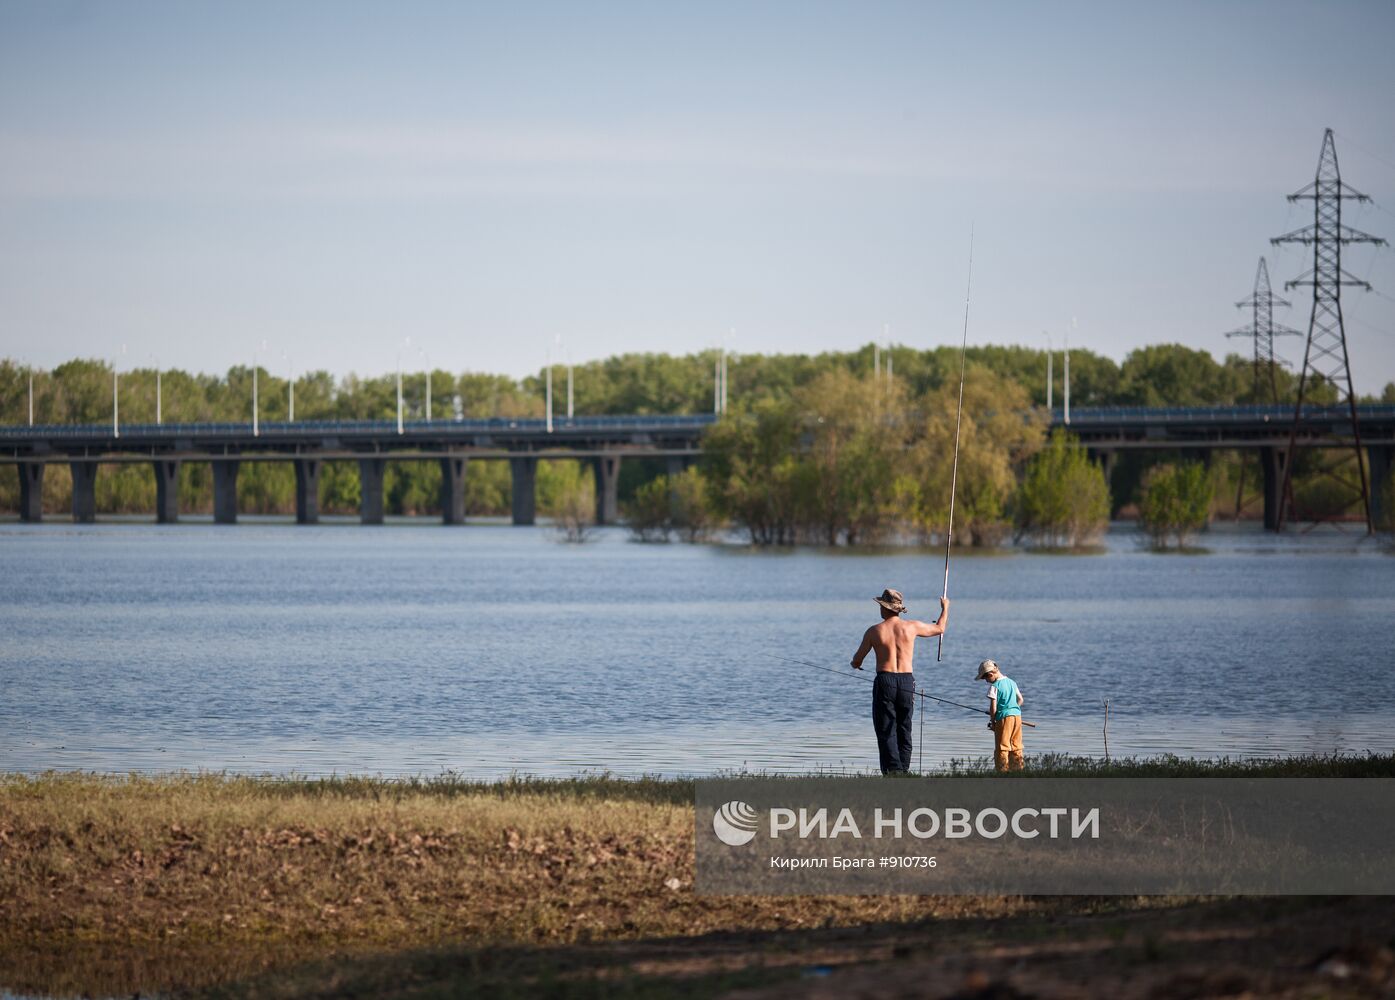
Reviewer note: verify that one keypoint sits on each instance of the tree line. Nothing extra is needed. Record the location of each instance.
(814, 447)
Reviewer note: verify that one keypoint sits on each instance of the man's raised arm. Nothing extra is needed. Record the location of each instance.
(862, 650)
(925, 630)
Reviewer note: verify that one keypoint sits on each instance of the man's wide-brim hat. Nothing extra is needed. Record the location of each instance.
(892, 601)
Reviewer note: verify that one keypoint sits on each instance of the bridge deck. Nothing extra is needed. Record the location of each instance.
(1144, 428)
(1114, 428)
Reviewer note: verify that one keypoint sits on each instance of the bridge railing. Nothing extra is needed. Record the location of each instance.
(349, 427)
(1215, 414)
(656, 422)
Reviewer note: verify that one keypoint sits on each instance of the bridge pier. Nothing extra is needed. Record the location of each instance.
(1380, 457)
(525, 480)
(84, 492)
(1271, 461)
(307, 490)
(166, 491)
(31, 491)
(607, 474)
(453, 490)
(370, 490)
(225, 490)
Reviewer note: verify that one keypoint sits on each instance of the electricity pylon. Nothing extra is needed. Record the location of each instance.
(1325, 356)
(1261, 330)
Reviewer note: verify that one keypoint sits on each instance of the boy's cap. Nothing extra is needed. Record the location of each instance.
(984, 667)
(892, 601)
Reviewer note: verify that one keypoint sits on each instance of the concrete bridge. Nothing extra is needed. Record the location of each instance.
(603, 441)
(1200, 431)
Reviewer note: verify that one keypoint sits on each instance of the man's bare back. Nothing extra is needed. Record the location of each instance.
(893, 640)
(894, 689)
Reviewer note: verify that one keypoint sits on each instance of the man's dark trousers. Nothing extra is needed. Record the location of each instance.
(893, 707)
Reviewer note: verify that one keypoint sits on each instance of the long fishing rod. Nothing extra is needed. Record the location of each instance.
(958, 414)
(918, 694)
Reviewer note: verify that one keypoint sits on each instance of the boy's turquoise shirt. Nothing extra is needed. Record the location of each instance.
(1006, 688)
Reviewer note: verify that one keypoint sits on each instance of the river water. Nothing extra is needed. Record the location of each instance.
(485, 650)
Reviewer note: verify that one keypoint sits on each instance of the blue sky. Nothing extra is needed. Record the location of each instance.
(190, 179)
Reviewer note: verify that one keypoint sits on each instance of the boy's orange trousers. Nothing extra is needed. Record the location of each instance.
(1007, 750)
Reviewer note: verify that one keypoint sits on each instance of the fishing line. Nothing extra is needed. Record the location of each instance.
(958, 414)
(862, 677)
(918, 693)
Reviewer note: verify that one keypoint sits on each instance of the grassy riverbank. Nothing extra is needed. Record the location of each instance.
(373, 887)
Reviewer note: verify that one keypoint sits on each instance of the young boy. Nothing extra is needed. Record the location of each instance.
(1005, 716)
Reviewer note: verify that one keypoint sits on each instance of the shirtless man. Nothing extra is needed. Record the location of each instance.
(893, 692)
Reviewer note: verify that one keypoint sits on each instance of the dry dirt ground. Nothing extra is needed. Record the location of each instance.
(1226, 948)
(366, 889)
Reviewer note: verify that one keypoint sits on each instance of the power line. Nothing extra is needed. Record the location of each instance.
(1362, 149)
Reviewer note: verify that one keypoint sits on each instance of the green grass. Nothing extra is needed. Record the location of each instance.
(1169, 766)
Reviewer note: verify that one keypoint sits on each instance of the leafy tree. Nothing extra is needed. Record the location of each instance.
(124, 489)
(1063, 499)
(649, 515)
(1176, 502)
(749, 454)
(1173, 375)
(488, 488)
(1326, 486)
(857, 435)
(339, 488)
(999, 431)
(568, 495)
(557, 479)
(263, 488)
(693, 516)
(1277, 386)
(483, 396)
(668, 504)
(413, 487)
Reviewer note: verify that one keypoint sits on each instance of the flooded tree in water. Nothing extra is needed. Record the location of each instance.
(1063, 501)
(1176, 503)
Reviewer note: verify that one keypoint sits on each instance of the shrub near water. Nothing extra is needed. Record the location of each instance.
(1176, 503)
(693, 517)
(1064, 500)
(567, 494)
(672, 504)
(649, 516)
